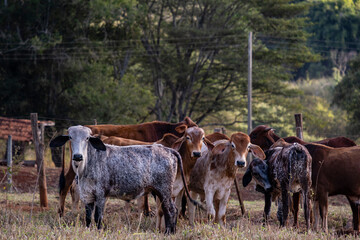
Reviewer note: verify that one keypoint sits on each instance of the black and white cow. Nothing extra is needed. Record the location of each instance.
(123, 172)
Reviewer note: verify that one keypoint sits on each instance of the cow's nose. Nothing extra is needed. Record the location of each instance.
(77, 157)
(197, 154)
(240, 163)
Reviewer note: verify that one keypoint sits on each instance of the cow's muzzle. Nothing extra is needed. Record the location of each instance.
(240, 163)
(77, 157)
(197, 154)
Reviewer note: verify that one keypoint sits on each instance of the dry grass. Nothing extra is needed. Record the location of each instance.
(20, 220)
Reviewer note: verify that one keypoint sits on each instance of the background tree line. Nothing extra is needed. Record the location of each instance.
(127, 61)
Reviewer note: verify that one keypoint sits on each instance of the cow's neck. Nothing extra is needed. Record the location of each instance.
(188, 161)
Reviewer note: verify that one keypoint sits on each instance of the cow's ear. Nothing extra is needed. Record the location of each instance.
(257, 151)
(209, 144)
(168, 139)
(59, 141)
(189, 122)
(247, 177)
(268, 129)
(219, 149)
(97, 143)
(181, 129)
(177, 145)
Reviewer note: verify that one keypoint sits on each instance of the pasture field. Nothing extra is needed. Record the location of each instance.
(21, 217)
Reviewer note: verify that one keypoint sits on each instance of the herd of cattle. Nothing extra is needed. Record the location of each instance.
(170, 160)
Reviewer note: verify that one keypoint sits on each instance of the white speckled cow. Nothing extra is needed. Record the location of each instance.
(214, 173)
(122, 172)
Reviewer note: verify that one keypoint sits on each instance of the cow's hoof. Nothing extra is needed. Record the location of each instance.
(149, 213)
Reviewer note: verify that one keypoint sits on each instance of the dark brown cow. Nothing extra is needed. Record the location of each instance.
(147, 132)
(265, 136)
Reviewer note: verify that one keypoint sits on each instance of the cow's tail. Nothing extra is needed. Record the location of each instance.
(184, 181)
(62, 174)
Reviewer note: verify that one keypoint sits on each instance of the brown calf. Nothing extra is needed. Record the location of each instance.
(147, 132)
(214, 172)
(189, 147)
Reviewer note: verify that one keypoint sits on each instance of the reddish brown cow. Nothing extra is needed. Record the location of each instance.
(147, 132)
(214, 172)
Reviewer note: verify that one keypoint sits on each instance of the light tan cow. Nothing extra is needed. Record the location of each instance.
(214, 173)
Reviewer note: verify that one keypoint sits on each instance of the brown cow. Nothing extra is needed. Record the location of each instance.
(214, 172)
(334, 171)
(265, 136)
(189, 147)
(147, 132)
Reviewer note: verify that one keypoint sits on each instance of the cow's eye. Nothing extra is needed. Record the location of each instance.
(203, 138)
(187, 137)
(232, 145)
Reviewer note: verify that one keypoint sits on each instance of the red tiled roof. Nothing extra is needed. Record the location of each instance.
(19, 129)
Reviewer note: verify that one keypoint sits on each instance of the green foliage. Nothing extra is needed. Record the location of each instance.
(347, 95)
(335, 29)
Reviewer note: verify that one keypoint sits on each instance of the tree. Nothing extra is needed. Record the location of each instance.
(335, 29)
(68, 65)
(196, 52)
(347, 95)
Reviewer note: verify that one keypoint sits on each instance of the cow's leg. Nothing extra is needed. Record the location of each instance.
(267, 207)
(89, 208)
(323, 207)
(306, 208)
(192, 208)
(316, 212)
(295, 207)
(222, 209)
(99, 210)
(65, 183)
(209, 198)
(285, 204)
(178, 200)
(355, 212)
(75, 196)
(159, 214)
(216, 207)
(170, 214)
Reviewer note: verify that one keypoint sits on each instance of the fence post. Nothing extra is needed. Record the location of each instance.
(39, 150)
(9, 163)
(299, 125)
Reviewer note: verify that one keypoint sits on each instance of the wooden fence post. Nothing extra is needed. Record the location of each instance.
(299, 125)
(39, 150)
(9, 163)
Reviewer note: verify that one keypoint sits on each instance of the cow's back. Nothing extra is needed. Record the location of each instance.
(125, 172)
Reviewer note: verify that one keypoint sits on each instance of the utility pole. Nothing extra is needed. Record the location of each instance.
(250, 84)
